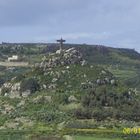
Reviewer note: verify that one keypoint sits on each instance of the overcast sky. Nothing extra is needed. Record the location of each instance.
(108, 22)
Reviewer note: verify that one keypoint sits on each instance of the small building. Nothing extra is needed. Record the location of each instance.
(13, 58)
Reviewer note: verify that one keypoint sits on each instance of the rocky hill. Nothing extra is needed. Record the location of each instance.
(64, 69)
(68, 88)
(62, 82)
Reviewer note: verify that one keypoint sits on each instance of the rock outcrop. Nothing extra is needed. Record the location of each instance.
(63, 58)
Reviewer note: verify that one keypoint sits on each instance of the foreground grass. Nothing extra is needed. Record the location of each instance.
(93, 138)
(20, 137)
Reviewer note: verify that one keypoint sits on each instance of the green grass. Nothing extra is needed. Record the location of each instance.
(93, 138)
(129, 76)
(70, 106)
(125, 74)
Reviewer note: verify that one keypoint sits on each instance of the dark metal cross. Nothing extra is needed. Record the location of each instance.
(61, 41)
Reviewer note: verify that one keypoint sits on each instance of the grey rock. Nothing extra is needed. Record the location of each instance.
(26, 93)
(113, 82)
(14, 94)
(98, 81)
(72, 98)
(52, 86)
(54, 80)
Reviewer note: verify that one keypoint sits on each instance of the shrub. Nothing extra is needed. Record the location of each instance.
(30, 84)
(19, 78)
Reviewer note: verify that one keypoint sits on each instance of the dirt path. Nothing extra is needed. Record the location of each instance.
(67, 137)
(14, 64)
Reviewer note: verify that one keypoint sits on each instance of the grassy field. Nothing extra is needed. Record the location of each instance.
(93, 138)
(123, 73)
(20, 137)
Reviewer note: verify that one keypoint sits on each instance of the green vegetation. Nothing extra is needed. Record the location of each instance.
(69, 98)
(29, 84)
(94, 138)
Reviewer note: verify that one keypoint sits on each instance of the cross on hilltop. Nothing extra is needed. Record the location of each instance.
(61, 41)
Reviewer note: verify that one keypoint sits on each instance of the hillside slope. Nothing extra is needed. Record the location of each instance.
(68, 90)
(123, 63)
